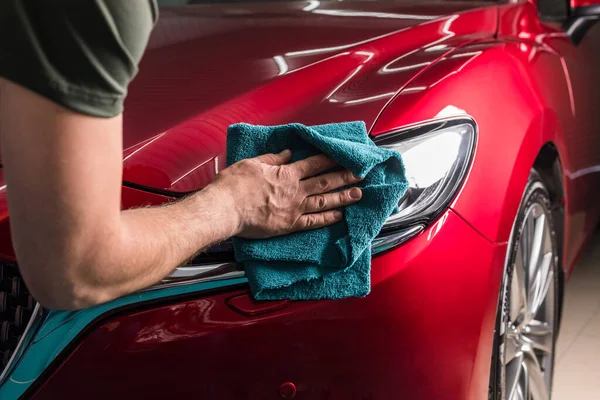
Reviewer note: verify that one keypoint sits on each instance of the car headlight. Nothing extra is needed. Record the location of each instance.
(436, 156)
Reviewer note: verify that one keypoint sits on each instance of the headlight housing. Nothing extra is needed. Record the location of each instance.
(436, 156)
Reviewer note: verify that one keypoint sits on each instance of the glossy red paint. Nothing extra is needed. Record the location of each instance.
(537, 100)
(425, 331)
(584, 3)
(401, 339)
(580, 144)
(329, 72)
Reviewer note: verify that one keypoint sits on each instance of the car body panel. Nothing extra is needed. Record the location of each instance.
(389, 343)
(290, 74)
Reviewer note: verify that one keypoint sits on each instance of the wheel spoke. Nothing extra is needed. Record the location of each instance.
(539, 288)
(524, 385)
(539, 266)
(514, 369)
(536, 382)
(527, 235)
(518, 395)
(523, 259)
(512, 346)
(539, 335)
(537, 245)
(518, 294)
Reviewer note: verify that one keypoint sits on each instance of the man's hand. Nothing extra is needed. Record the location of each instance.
(271, 197)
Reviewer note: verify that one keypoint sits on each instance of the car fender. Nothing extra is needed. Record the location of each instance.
(519, 97)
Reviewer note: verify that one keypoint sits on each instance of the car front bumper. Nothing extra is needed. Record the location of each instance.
(424, 332)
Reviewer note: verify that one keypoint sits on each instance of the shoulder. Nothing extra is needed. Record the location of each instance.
(79, 54)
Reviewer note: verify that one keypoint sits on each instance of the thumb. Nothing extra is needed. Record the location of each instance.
(276, 159)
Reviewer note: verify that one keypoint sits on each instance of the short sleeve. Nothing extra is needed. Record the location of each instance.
(81, 54)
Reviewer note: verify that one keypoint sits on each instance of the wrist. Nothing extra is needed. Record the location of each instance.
(225, 216)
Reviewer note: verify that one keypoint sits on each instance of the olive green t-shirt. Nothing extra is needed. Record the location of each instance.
(81, 54)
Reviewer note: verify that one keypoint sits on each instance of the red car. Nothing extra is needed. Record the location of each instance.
(494, 107)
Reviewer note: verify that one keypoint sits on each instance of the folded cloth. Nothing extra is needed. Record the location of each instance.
(331, 262)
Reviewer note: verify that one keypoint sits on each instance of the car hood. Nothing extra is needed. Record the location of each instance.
(208, 66)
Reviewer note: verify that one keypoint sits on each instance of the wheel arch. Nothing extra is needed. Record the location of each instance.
(549, 167)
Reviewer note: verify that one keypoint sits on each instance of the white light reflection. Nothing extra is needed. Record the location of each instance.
(321, 50)
(460, 55)
(585, 171)
(407, 54)
(569, 86)
(342, 47)
(282, 64)
(473, 56)
(436, 48)
(446, 30)
(413, 89)
(144, 146)
(312, 4)
(539, 38)
(369, 54)
(437, 227)
(371, 98)
(190, 171)
(579, 22)
(433, 46)
(446, 26)
(350, 13)
(343, 82)
(420, 170)
(387, 70)
(450, 111)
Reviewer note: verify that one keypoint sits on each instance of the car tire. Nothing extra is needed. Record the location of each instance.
(528, 308)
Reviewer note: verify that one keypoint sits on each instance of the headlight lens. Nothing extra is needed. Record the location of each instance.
(436, 157)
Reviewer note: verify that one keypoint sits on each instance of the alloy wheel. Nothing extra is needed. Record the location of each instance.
(530, 310)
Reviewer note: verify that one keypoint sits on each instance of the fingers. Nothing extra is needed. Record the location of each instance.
(319, 211)
(328, 182)
(323, 202)
(312, 166)
(276, 159)
(314, 221)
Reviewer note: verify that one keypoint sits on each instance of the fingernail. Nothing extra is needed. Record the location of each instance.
(356, 176)
(337, 215)
(286, 152)
(355, 193)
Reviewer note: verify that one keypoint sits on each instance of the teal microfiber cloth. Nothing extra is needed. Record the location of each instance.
(331, 262)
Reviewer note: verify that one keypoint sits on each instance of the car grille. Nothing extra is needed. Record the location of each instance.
(16, 309)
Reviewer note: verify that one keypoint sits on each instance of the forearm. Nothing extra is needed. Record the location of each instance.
(137, 248)
(153, 241)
